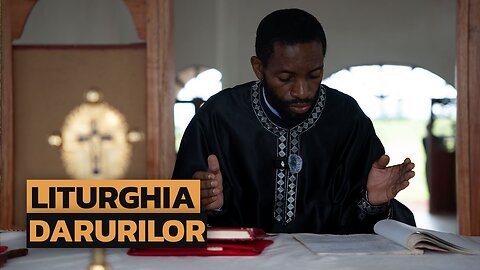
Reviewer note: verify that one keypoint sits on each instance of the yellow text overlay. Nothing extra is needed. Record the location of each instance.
(114, 213)
(113, 196)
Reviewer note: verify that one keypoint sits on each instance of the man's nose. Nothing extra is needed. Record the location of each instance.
(299, 90)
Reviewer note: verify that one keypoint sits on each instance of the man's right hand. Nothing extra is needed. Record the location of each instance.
(211, 185)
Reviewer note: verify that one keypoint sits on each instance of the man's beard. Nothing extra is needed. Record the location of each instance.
(282, 106)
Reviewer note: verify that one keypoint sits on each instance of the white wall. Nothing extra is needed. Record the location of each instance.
(196, 33)
(221, 33)
(408, 32)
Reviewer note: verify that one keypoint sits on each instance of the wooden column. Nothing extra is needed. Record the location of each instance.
(14, 14)
(160, 88)
(468, 116)
(6, 181)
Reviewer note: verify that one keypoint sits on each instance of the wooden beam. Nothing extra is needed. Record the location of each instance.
(20, 10)
(6, 181)
(160, 89)
(137, 9)
(468, 116)
(461, 81)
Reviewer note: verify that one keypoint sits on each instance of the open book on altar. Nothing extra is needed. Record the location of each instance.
(392, 237)
(414, 238)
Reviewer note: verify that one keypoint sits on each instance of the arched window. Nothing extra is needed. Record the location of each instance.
(194, 86)
(391, 91)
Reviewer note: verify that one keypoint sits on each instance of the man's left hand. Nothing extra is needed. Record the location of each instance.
(384, 182)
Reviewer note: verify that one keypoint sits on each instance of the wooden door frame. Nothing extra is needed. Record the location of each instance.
(6, 124)
(160, 88)
(154, 23)
(468, 116)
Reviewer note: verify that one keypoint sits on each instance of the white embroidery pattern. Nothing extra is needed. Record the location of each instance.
(288, 141)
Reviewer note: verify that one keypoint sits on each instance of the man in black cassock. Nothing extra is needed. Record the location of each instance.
(286, 153)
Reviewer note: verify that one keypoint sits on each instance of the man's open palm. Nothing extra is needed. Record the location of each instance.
(384, 182)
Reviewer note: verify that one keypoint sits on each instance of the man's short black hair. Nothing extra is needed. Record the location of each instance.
(287, 26)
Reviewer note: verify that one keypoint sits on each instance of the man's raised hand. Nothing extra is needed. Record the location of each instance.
(211, 185)
(384, 182)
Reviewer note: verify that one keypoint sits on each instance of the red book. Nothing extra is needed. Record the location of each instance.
(221, 242)
(251, 248)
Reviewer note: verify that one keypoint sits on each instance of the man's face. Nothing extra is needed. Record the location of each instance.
(292, 76)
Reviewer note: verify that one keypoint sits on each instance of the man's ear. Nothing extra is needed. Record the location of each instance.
(257, 66)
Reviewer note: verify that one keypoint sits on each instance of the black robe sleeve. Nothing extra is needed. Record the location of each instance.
(360, 150)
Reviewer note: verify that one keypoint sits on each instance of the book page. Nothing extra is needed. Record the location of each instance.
(228, 234)
(234, 234)
(354, 244)
(395, 231)
(452, 241)
(415, 238)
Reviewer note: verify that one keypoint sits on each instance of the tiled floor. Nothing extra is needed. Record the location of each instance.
(426, 220)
